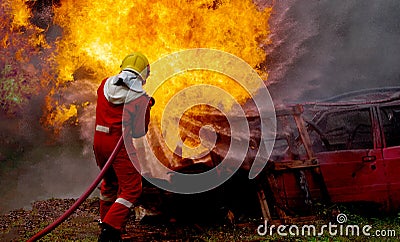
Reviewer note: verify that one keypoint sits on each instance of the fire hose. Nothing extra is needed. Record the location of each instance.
(83, 197)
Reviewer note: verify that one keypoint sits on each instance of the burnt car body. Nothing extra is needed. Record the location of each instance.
(345, 150)
(342, 150)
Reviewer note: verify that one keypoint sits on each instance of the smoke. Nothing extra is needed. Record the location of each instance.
(324, 48)
(82, 91)
(37, 165)
(34, 166)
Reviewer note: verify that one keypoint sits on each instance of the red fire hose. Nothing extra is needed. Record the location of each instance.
(83, 197)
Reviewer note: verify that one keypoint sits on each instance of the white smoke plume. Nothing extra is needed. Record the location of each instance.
(325, 48)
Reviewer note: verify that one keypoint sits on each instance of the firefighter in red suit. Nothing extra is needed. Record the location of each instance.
(121, 98)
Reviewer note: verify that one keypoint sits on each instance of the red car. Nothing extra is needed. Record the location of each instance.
(341, 151)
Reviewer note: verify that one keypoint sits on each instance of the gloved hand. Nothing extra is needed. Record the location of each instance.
(152, 102)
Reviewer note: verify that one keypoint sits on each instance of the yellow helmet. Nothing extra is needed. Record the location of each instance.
(138, 63)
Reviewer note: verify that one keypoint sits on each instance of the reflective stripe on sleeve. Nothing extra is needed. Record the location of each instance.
(102, 128)
(124, 202)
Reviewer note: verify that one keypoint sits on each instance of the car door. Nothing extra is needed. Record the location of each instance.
(389, 116)
(352, 163)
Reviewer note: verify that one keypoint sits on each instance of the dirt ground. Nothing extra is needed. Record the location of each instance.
(20, 225)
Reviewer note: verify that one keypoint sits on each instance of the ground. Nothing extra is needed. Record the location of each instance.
(19, 225)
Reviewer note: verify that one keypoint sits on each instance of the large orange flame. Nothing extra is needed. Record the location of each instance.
(97, 34)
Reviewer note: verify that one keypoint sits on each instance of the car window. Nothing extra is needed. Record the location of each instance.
(347, 130)
(391, 125)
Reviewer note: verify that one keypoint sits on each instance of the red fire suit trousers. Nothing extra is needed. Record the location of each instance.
(122, 184)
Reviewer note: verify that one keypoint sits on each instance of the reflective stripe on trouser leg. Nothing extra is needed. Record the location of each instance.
(124, 202)
(107, 198)
(105, 204)
(130, 187)
(108, 193)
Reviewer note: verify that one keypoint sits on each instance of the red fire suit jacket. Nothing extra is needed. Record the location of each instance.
(110, 117)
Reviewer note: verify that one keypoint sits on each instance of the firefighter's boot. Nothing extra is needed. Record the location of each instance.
(109, 234)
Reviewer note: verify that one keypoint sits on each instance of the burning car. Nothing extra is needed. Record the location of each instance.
(342, 150)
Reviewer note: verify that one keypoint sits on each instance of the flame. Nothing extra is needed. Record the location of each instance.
(98, 34)
(63, 113)
(21, 13)
(103, 32)
(22, 76)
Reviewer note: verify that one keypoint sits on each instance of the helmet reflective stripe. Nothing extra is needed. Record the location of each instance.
(138, 63)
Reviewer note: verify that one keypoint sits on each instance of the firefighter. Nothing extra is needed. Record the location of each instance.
(121, 98)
